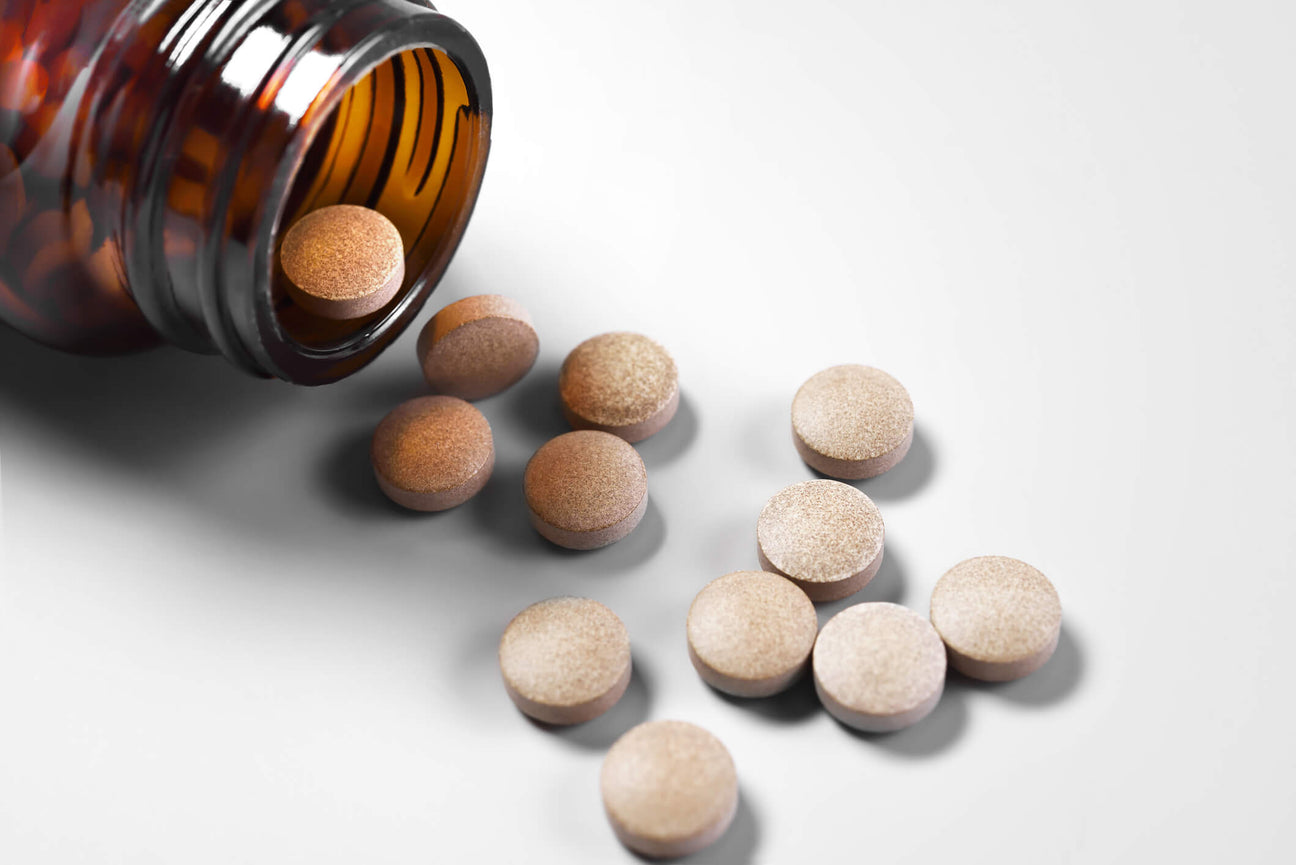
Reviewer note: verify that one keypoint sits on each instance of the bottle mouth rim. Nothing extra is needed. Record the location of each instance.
(270, 343)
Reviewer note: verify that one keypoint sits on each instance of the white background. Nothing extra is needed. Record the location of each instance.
(1066, 227)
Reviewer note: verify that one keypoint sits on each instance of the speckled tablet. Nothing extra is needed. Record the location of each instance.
(478, 346)
(432, 453)
(669, 788)
(750, 633)
(586, 489)
(824, 535)
(565, 660)
(879, 667)
(999, 617)
(622, 383)
(852, 422)
(343, 261)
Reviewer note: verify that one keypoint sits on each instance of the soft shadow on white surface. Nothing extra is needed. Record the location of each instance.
(634, 707)
(930, 737)
(344, 479)
(533, 405)
(673, 440)
(796, 704)
(737, 845)
(389, 382)
(152, 409)
(1052, 683)
(768, 441)
(944, 727)
(907, 479)
(889, 585)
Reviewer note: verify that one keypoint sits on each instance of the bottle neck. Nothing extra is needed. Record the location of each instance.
(248, 116)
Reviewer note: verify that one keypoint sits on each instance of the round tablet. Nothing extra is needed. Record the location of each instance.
(565, 660)
(478, 346)
(825, 536)
(343, 261)
(585, 489)
(999, 617)
(852, 422)
(750, 633)
(432, 453)
(622, 383)
(879, 667)
(669, 788)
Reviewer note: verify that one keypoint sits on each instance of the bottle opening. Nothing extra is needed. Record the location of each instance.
(403, 140)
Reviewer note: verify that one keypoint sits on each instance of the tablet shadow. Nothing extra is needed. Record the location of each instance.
(931, 736)
(1052, 683)
(159, 408)
(598, 734)
(533, 405)
(888, 585)
(797, 703)
(674, 439)
(344, 478)
(735, 847)
(910, 476)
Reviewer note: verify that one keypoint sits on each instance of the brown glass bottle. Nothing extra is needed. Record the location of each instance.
(150, 153)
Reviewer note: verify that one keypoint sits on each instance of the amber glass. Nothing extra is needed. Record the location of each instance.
(150, 153)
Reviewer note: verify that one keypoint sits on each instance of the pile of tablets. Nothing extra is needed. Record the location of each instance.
(669, 787)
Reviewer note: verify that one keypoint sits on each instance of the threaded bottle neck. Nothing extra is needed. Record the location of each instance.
(260, 112)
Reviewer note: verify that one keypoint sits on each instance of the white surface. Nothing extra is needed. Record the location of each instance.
(1067, 228)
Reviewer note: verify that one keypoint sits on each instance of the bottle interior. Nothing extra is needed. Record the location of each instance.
(402, 141)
